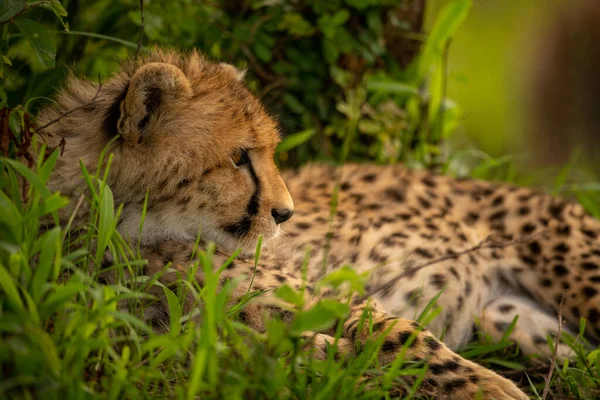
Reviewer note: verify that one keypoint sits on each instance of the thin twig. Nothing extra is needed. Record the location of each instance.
(487, 243)
(556, 343)
(256, 67)
(93, 101)
(137, 51)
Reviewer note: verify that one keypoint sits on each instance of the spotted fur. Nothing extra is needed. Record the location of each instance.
(189, 133)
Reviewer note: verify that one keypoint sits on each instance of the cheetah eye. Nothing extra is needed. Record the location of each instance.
(240, 158)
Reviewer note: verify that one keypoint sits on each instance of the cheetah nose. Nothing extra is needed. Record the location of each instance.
(281, 216)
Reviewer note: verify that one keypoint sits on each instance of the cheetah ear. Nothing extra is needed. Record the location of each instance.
(239, 74)
(152, 87)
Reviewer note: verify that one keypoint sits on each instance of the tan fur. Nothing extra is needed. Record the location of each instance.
(182, 156)
(181, 145)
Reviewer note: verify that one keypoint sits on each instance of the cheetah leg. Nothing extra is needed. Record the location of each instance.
(452, 376)
(533, 325)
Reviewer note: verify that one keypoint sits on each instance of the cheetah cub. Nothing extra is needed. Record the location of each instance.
(188, 132)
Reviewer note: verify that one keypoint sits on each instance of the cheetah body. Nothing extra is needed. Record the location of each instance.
(187, 132)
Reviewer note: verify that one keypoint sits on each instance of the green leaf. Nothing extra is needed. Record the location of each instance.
(321, 316)
(446, 24)
(286, 293)
(59, 11)
(174, 311)
(15, 122)
(294, 140)
(263, 52)
(10, 289)
(10, 8)
(106, 218)
(46, 261)
(293, 103)
(62, 294)
(391, 87)
(31, 177)
(41, 41)
(345, 275)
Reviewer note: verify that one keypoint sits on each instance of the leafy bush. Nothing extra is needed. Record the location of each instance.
(329, 70)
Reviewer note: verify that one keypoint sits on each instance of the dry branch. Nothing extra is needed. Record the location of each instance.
(94, 100)
(137, 51)
(487, 243)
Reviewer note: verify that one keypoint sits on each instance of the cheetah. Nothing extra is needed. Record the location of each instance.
(187, 135)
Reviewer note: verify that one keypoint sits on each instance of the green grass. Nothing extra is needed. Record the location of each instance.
(65, 334)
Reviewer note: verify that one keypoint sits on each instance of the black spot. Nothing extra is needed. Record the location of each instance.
(412, 297)
(432, 343)
(437, 280)
(501, 326)
(589, 233)
(563, 230)
(423, 252)
(231, 265)
(595, 278)
(473, 379)
(355, 240)
(593, 315)
(589, 292)
(561, 248)
(540, 340)
(528, 228)
(345, 186)
(522, 211)
(377, 257)
(546, 282)
(404, 336)
(369, 177)
(505, 308)
(388, 345)
(454, 272)
(535, 247)
(498, 201)
(404, 216)
(357, 197)
(373, 206)
(303, 225)
(428, 181)
(471, 217)
(424, 202)
(280, 278)
(430, 382)
(560, 270)
(394, 194)
(184, 200)
(497, 215)
(244, 317)
(528, 260)
(589, 266)
(183, 183)
(556, 210)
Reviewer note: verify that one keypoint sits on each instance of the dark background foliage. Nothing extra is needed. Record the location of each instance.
(328, 70)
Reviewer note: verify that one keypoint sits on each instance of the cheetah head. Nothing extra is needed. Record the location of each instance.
(189, 133)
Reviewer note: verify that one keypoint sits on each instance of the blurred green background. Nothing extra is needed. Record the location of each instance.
(358, 79)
